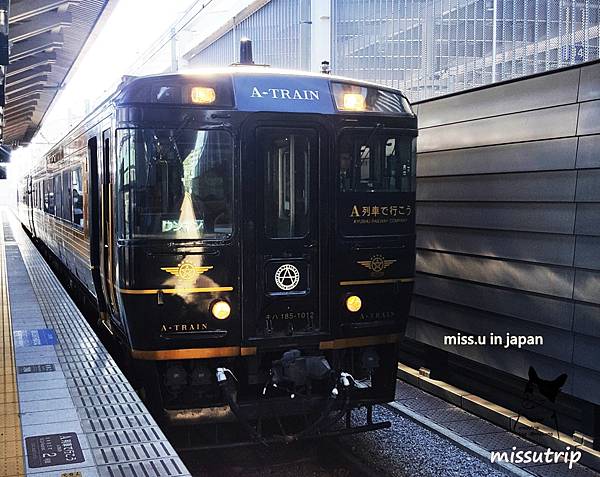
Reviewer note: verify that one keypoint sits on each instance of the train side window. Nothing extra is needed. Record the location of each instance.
(66, 196)
(77, 196)
(57, 188)
(49, 204)
(125, 180)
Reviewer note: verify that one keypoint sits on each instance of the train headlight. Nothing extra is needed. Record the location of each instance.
(353, 303)
(220, 310)
(354, 102)
(203, 95)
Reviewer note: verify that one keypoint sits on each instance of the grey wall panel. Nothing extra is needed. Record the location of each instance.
(547, 280)
(534, 308)
(532, 247)
(586, 384)
(553, 154)
(585, 352)
(513, 361)
(428, 333)
(532, 93)
(551, 218)
(588, 186)
(589, 87)
(508, 217)
(587, 319)
(529, 126)
(522, 187)
(587, 286)
(587, 221)
(557, 344)
(589, 118)
(587, 253)
(588, 152)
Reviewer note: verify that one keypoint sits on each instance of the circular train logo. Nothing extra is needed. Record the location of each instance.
(187, 271)
(287, 277)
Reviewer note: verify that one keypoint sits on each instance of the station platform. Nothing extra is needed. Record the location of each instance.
(66, 409)
(482, 428)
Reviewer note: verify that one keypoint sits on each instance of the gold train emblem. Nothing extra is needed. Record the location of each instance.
(186, 271)
(377, 264)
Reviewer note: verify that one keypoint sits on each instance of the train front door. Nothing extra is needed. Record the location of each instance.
(283, 200)
(107, 262)
(31, 204)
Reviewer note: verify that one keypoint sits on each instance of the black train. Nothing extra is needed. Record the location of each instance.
(243, 222)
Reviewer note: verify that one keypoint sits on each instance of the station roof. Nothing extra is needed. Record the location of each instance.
(46, 39)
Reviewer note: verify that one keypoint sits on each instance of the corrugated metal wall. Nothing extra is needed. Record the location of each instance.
(509, 224)
(280, 34)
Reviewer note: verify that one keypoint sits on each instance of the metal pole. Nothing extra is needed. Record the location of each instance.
(494, 35)
(292, 185)
(174, 66)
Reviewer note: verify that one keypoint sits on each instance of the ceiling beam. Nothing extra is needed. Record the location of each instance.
(25, 93)
(23, 109)
(24, 9)
(41, 24)
(15, 88)
(14, 135)
(37, 44)
(30, 63)
(25, 116)
(32, 73)
(17, 123)
(17, 114)
(17, 106)
(19, 101)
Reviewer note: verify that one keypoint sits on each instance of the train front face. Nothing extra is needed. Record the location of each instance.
(269, 231)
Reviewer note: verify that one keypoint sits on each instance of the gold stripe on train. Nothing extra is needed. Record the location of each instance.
(235, 351)
(194, 353)
(343, 343)
(376, 282)
(128, 291)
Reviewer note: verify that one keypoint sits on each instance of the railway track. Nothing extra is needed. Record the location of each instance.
(326, 457)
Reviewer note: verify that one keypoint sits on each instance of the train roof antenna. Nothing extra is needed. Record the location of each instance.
(246, 52)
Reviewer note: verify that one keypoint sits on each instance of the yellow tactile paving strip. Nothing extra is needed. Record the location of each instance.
(11, 444)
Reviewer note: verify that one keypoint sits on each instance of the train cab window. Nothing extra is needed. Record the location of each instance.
(77, 197)
(287, 181)
(376, 163)
(175, 184)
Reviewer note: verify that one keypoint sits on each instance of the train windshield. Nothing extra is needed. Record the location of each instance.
(175, 184)
(376, 162)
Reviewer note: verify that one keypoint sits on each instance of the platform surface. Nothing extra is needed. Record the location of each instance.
(455, 413)
(66, 409)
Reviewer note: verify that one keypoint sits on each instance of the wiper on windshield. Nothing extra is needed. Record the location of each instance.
(175, 135)
(369, 137)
